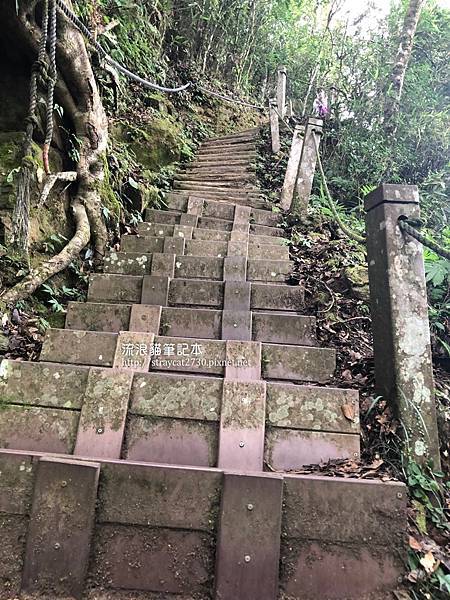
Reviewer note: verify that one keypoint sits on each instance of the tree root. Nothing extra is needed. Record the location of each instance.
(76, 91)
(39, 275)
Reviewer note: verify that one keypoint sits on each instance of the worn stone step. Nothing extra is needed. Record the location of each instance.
(185, 322)
(266, 230)
(251, 134)
(128, 289)
(211, 177)
(236, 147)
(201, 260)
(219, 161)
(178, 201)
(229, 198)
(200, 190)
(302, 421)
(235, 190)
(224, 210)
(161, 230)
(147, 230)
(157, 512)
(219, 182)
(162, 217)
(105, 349)
(233, 150)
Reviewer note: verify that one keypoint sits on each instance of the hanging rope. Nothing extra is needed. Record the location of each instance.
(85, 31)
(130, 75)
(51, 82)
(347, 230)
(21, 213)
(229, 99)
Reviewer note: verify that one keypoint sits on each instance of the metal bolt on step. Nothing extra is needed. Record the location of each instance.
(399, 495)
(99, 430)
(249, 506)
(57, 546)
(247, 558)
(241, 444)
(234, 324)
(63, 483)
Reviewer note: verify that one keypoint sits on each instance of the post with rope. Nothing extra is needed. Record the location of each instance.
(401, 332)
(308, 163)
(281, 91)
(290, 179)
(274, 126)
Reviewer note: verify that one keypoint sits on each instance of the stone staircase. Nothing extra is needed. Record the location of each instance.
(147, 454)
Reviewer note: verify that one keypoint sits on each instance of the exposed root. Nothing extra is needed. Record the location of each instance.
(68, 176)
(76, 91)
(39, 275)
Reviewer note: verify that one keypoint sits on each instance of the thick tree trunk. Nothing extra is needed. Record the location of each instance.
(77, 92)
(395, 86)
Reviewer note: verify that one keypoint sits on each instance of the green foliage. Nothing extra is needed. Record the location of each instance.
(56, 297)
(428, 490)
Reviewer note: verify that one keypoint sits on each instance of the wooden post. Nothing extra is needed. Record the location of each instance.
(274, 126)
(281, 91)
(307, 165)
(401, 331)
(287, 193)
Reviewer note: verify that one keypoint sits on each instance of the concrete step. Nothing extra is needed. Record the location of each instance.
(230, 147)
(219, 182)
(222, 209)
(225, 193)
(234, 155)
(133, 289)
(251, 134)
(137, 250)
(186, 232)
(49, 404)
(238, 527)
(201, 260)
(290, 329)
(105, 349)
(209, 176)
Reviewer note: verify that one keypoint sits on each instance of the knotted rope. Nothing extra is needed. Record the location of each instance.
(51, 82)
(20, 226)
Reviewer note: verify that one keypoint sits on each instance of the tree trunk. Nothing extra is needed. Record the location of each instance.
(395, 86)
(76, 91)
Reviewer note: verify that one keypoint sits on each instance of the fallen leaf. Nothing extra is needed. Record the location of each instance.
(349, 411)
(414, 544)
(429, 563)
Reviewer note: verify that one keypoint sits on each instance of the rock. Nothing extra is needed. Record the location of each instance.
(4, 343)
(357, 277)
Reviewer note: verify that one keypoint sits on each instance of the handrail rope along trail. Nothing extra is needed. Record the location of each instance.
(403, 223)
(144, 82)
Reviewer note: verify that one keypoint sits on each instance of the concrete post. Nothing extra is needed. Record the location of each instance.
(281, 91)
(307, 165)
(274, 126)
(289, 108)
(287, 193)
(398, 297)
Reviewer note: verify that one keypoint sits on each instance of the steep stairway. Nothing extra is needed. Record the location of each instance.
(150, 449)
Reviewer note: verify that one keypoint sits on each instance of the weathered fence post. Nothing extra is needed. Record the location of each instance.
(398, 297)
(287, 193)
(274, 126)
(289, 108)
(307, 165)
(281, 91)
